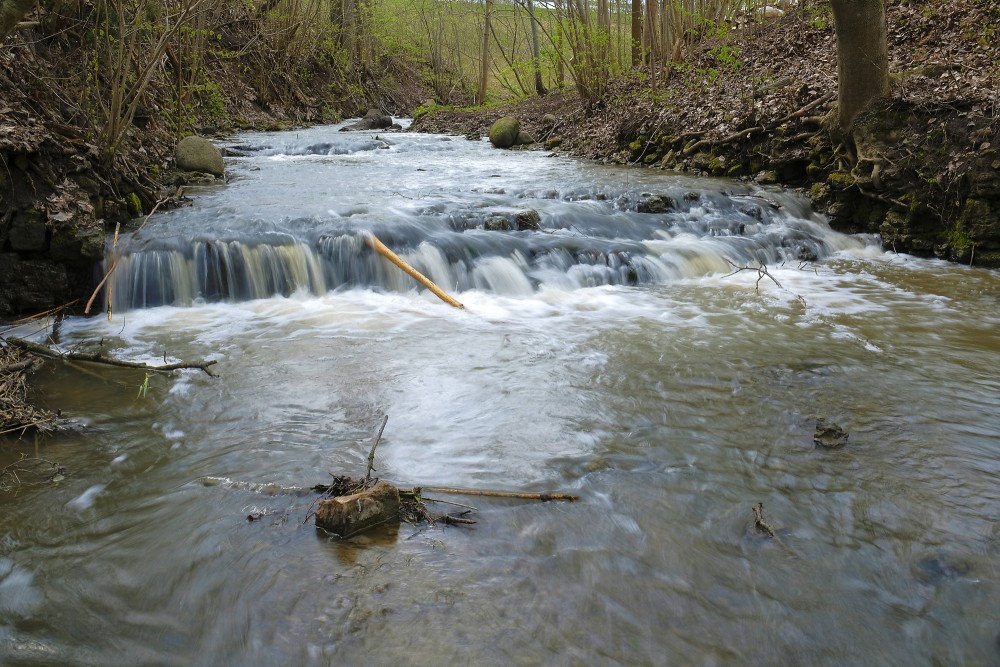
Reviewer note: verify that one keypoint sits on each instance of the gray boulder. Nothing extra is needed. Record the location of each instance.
(373, 120)
(198, 154)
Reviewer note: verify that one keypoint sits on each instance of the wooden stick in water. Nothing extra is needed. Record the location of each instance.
(383, 250)
(496, 494)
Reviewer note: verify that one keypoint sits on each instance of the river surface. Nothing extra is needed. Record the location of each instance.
(613, 354)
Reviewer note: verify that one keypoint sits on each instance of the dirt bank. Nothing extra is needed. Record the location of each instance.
(752, 104)
(61, 193)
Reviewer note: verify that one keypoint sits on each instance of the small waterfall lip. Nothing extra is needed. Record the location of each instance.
(468, 217)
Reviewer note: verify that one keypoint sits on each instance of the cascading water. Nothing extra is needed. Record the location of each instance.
(609, 353)
(502, 235)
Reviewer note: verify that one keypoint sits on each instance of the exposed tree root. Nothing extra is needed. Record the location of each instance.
(712, 143)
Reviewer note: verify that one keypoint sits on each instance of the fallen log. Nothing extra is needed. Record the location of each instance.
(348, 515)
(383, 250)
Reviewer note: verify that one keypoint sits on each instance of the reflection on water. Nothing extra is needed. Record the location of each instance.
(670, 406)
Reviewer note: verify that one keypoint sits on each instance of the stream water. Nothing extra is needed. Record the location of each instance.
(612, 354)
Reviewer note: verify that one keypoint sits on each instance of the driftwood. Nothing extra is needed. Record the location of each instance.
(417, 490)
(763, 526)
(28, 471)
(348, 506)
(99, 358)
(348, 515)
(383, 250)
(371, 454)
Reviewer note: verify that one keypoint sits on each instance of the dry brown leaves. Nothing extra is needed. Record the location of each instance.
(943, 53)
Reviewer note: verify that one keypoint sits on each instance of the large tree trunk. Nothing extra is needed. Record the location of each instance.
(862, 56)
(636, 33)
(484, 63)
(536, 53)
(11, 12)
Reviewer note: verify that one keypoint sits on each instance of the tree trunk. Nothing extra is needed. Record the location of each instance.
(536, 52)
(11, 12)
(636, 32)
(557, 45)
(484, 65)
(862, 56)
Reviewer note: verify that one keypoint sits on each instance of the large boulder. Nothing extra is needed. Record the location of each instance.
(196, 153)
(504, 132)
(373, 120)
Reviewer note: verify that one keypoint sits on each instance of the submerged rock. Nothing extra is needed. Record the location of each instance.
(829, 436)
(656, 204)
(497, 223)
(528, 220)
(938, 567)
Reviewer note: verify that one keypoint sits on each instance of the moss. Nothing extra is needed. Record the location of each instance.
(503, 133)
(819, 192)
(134, 203)
(958, 239)
(716, 165)
(839, 179)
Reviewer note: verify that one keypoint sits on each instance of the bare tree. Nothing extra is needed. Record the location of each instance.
(484, 65)
(535, 49)
(636, 32)
(862, 56)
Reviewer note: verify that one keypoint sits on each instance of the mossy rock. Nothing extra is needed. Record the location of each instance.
(201, 155)
(840, 180)
(528, 220)
(981, 220)
(504, 132)
(524, 138)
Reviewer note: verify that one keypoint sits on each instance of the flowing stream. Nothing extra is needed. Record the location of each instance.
(615, 354)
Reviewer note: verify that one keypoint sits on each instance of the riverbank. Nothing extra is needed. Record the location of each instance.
(753, 104)
(78, 161)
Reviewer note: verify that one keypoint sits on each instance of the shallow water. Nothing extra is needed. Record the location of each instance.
(612, 354)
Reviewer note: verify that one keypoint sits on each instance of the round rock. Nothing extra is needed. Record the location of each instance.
(196, 153)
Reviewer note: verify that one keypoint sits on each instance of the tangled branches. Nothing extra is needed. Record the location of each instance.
(16, 413)
(29, 471)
